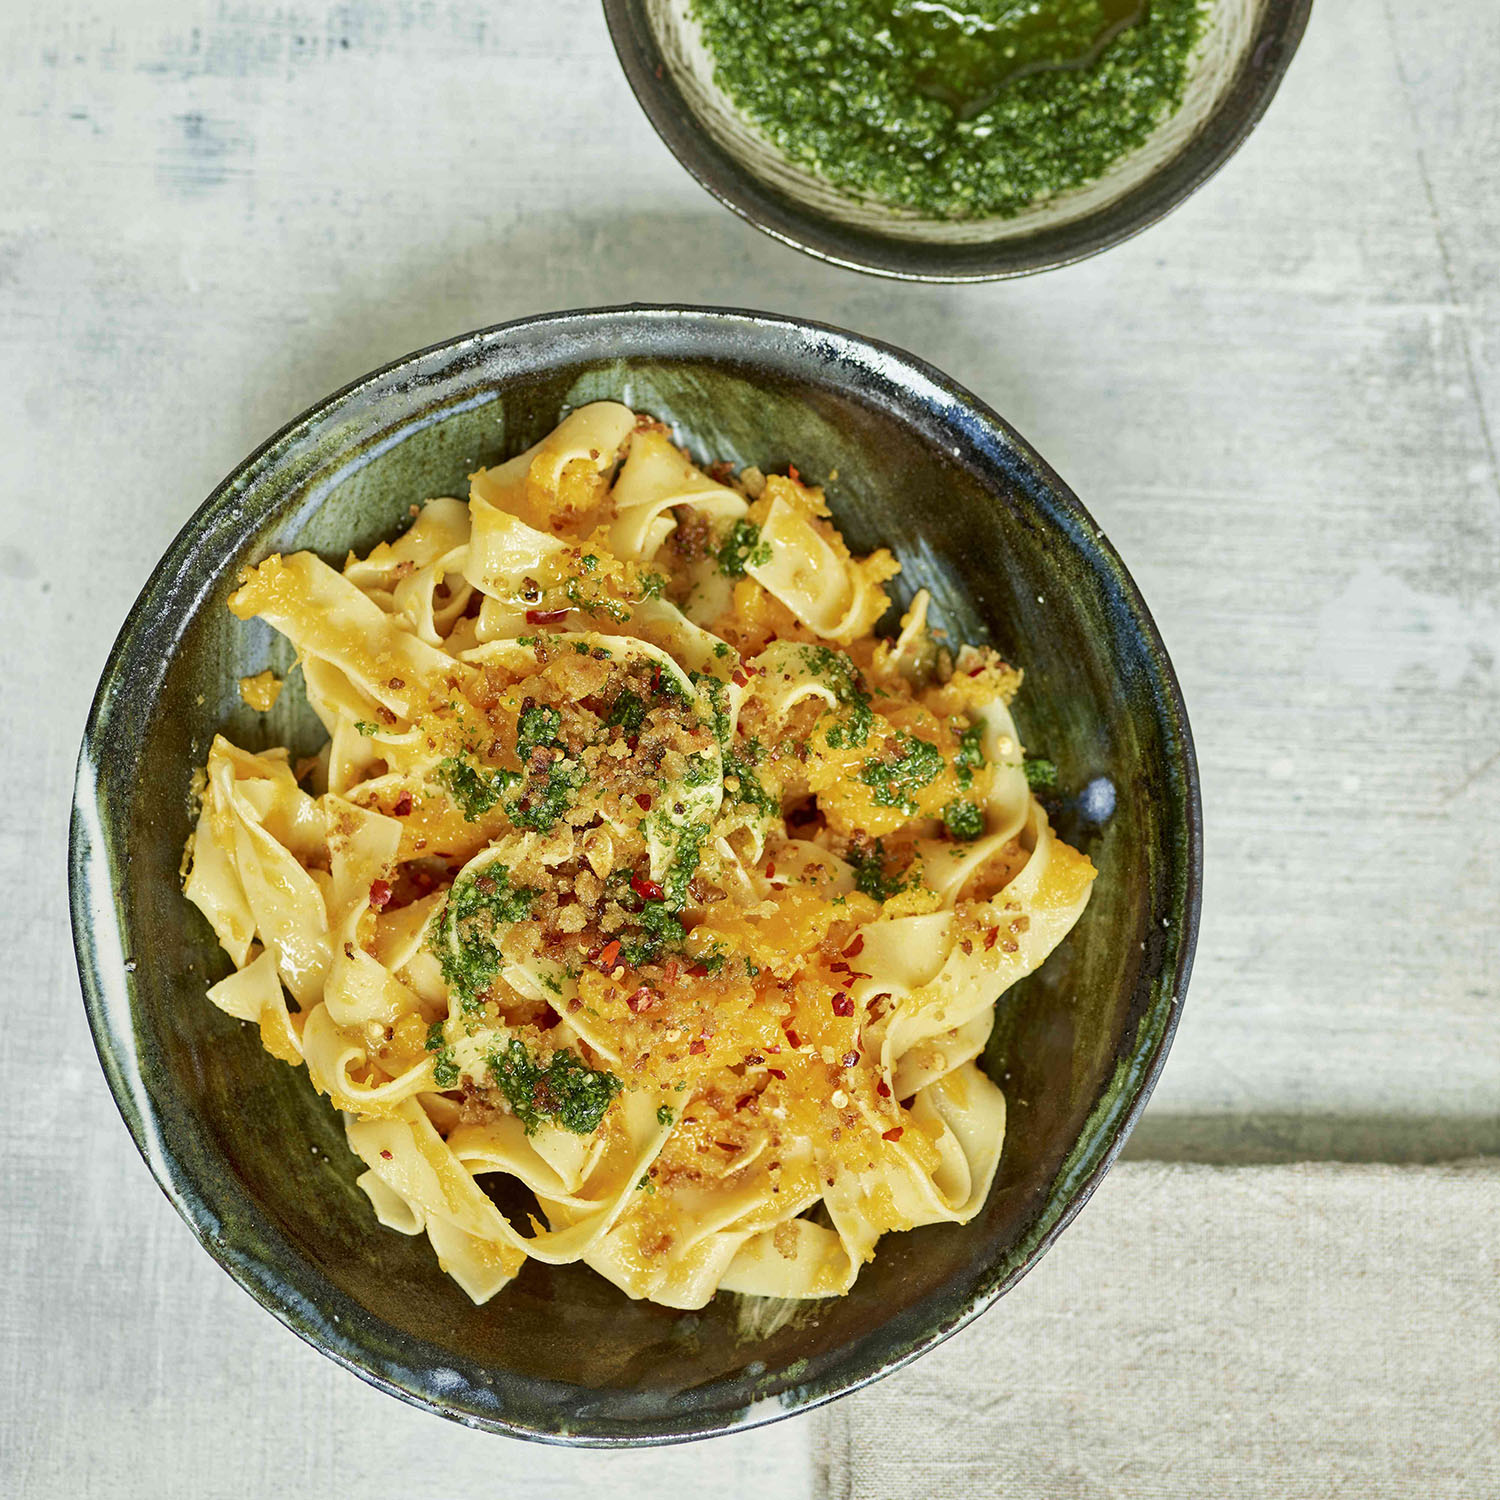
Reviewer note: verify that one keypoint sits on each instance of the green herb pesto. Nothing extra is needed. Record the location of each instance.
(464, 935)
(870, 876)
(954, 110)
(685, 864)
(664, 1115)
(567, 1091)
(1040, 774)
(594, 603)
(628, 713)
(538, 724)
(750, 792)
(474, 790)
(963, 819)
(838, 672)
(717, 694)
(657, 924)
(742, 548)
(549, 792)
(915, 764)
(547, 797)
(366, 728)
(657, 928)
(701, 770)
(444, 1068)
(970, 754)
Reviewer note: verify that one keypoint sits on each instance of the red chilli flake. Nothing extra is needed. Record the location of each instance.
(883, 1089)
(380, 894)
(738, 678)
(770, 871)
(644, 799)
(643, 999)
(893, 1134)
(697, 1045)
(545, 616)
(850, 1059)
(386, 1155)
(403, 805)
(699, 971)
(777, 1073)
(792, 474)
(842, 1005)
(610, 953)
(856, 947)
(794, 1039)
(646, 889)
(989, 942)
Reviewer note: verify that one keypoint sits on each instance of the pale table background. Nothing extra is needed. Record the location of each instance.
(1280, 404)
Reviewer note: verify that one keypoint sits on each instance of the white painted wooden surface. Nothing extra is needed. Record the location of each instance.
(1269, 1333)
(1280, 404)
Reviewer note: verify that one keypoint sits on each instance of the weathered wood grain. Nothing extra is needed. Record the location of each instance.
(1268, 1333)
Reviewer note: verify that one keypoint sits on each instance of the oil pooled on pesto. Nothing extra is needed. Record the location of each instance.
(953, 110)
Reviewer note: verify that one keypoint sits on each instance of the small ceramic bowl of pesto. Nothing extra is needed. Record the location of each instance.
(954, 140)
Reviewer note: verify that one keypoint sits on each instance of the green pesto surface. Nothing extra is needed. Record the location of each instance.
(567, 1091)
(464, 937)
(742, 547)
(870, 874)
(474, 790)
(910, 764)
(970, 754)
(838, 672)
(954, 110)
(963, 819)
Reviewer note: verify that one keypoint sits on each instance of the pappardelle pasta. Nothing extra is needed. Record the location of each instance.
(637, 869)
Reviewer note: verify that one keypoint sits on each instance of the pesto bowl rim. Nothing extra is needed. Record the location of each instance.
(853, 248)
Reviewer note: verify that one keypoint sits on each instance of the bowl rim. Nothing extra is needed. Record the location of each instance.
(104, 974)
(775, 214)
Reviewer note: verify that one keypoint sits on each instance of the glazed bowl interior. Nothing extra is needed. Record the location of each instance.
(1235, 70)
(256, 1162)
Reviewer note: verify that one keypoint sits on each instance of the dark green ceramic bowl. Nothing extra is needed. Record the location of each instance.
(256, 1162)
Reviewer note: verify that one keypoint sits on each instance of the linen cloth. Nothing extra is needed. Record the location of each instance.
(1295, 1331)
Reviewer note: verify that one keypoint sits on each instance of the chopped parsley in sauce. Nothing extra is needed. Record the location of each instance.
(628, 713)
(742, 548)
(963, 819)
(566, 1092)
(970, 754)
(444, 1069)
(870, 876)
(1040, 774)
(837, 672)
(912, 764)
(474, 790)
(550, 790)
(464, 936)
